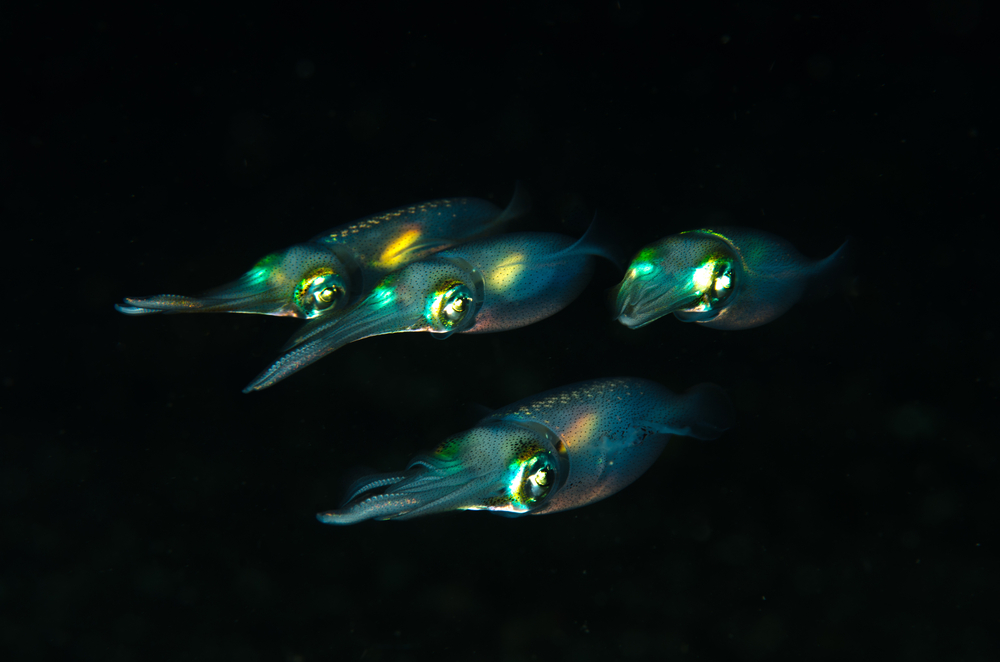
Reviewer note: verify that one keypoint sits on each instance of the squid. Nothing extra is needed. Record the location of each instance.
(328, 272)
(725, 278)
(558, 450)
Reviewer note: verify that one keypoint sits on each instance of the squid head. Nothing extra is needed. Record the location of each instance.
(303, 281)
(726, 278)
(505, 467)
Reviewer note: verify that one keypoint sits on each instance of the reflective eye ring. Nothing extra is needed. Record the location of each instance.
(325, 296)
(540, 482)
(449, 306)
(535, 481)
(318, 291)
(720, 285)
(723, 282)
(456, 306)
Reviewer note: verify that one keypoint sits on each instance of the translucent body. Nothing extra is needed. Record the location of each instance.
(562, 449)
(505, 282)
(335, 268)
(724, 278)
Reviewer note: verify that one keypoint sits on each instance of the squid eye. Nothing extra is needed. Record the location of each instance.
(533, 481)
(449, 306)
(325, 297)
(455, 309)
(319, 292)
(714, 282)
(539, 482)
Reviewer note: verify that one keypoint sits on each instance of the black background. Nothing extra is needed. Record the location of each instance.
(153, 511)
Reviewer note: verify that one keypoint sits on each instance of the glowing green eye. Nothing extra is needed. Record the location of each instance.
(713, 283)
(319, 291)
(448, 306)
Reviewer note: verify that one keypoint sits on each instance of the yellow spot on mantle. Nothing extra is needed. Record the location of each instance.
(396, 253)
(582, 428)
(506, 273)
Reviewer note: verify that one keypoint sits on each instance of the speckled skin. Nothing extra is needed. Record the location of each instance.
(598, 436)
(520, 278)
(359, 254)
(769, 276)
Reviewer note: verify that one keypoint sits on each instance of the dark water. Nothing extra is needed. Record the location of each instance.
(153, 511)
